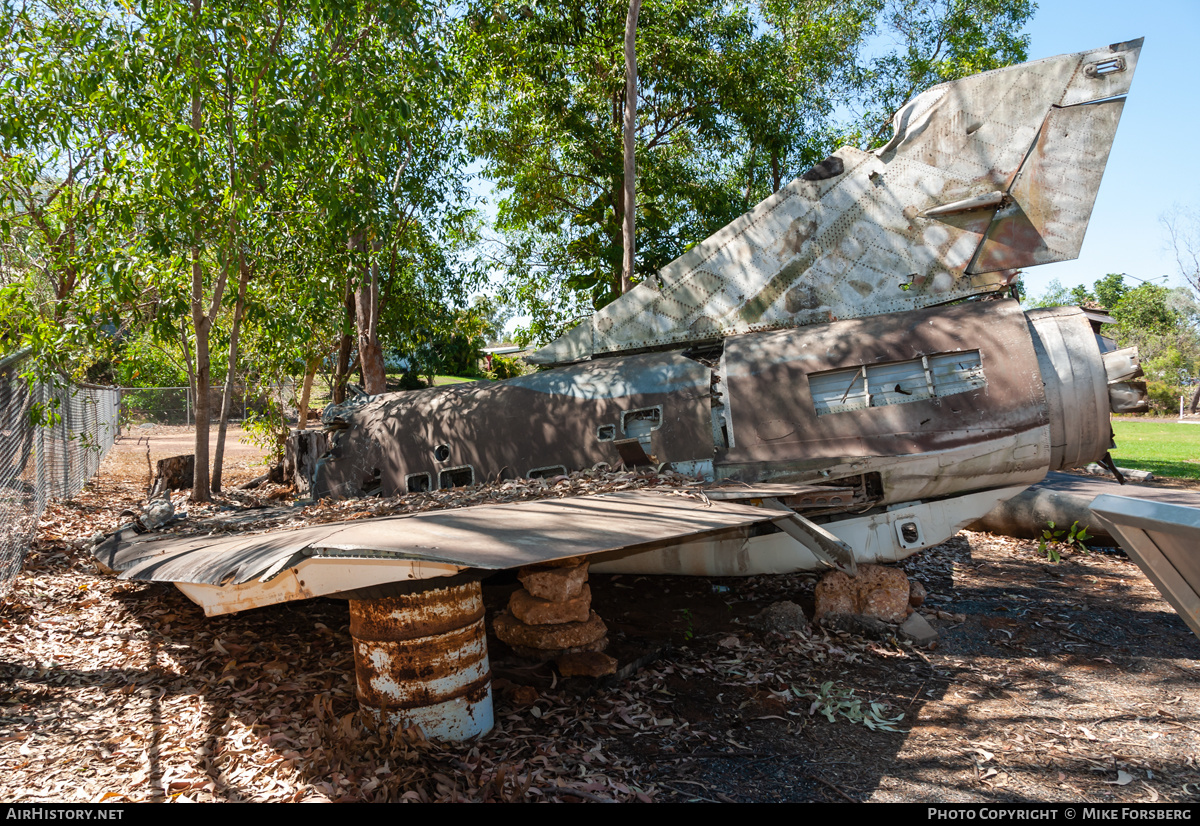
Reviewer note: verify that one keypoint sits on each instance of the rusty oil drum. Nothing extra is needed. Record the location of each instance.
(421, 659)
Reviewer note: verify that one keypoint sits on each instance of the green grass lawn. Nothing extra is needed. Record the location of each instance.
(1162, 447)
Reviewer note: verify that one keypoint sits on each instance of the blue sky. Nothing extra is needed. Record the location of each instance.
(1155, 160)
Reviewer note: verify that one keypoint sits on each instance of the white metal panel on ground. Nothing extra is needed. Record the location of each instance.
(1164, 541)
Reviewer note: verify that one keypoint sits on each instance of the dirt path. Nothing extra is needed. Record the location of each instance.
(138, 449)
(1062, 682)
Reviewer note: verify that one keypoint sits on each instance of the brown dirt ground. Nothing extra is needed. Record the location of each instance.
(128, 457)
(1058, 682)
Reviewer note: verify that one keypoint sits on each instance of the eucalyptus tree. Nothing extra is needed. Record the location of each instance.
(183, 160)
(734, 100)
(211, 128)
(63, 68)
(313, 147)
(549, 84)
(383, 160)
(935, 41)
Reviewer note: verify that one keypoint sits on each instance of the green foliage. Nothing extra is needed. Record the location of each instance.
(492, 315)
(1051, 539)
(268, 429)
(410, 380)
(734, 101)
(507, 367)
(1171, 365)
(939, 42)
(689, 631)
(1164, 398)
(1056, 295)
(154, 154)
(151, 155)
(548, 84)
(1144, 311)
(1110, 290)
(62, 155)
(1106, 292)
(144, 363)
(459, 354)
(834, 702)
(1167, 340)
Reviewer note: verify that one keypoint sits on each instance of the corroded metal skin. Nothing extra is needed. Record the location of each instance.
(1076, 386)
(990, 435)
(546, 422)
(982, 176)
(421, 659)
(841, 350)
(755, 411)
(232, 572)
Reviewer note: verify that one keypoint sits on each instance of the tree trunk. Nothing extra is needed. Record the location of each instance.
(200, 490)
(227, 394)
(750, 177)
(341, 371)
(172, 473)
(1195, 399)
(366, 308)
(617, 197)
(628, 228)
(189, 364)
(300, 459)
(310, 372)
(776, 172)
(201, 324)
(234, 248)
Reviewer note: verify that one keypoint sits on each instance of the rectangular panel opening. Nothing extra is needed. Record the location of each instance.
(956, 372)
(418, 482)
(639, 423)
(456, 477)
(899, 382)
(547, 472)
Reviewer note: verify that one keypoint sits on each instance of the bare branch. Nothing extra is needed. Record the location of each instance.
(1183, 230)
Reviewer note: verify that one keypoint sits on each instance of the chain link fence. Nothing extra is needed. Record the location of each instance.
(177, 405)
(50, 461)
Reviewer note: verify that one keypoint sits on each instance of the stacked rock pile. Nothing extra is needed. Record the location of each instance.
(878, 591)
(873, 604)
(551, 618)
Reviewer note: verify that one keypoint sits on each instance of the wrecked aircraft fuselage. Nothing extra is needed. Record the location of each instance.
(838, 364)
(865, 414)
(811, 341)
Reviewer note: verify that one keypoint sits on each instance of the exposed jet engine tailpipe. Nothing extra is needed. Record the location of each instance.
(1086, 379)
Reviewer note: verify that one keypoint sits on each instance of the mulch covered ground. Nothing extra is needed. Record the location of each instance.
(1072, 681)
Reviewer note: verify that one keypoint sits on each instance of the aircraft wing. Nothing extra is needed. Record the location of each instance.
(233, 572)
(982, 176)
(1164, 541)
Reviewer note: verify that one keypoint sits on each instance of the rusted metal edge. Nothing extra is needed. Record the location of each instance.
(492, 537)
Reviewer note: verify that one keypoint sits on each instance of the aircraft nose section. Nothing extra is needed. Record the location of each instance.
(1086, 380)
